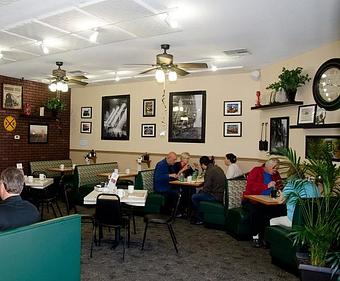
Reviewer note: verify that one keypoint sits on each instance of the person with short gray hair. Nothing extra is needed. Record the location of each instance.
(15, 212)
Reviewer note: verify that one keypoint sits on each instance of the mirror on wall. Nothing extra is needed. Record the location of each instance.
(326, 85)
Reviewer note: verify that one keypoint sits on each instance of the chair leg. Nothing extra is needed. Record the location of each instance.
(172, 237)
(124, 243)
(93, 238)
(134, 223)
(144, 237)
(129, 236)
(56, 203)
(54, 212)
(173, 233)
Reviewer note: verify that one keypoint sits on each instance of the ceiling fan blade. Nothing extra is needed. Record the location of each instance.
(148, 70)
(73, 81)
(138, 64)
(79, 77)
(192, 65)
(179, 71)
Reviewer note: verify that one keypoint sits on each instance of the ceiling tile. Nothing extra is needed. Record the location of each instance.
(35, 49)
(17, 55)
(73, 21)
(72, 42)
(36, 31)
(9, 40)
(115, 11)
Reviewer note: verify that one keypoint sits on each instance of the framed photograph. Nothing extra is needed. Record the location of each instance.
(187, 116)
(86, 112)
(312, 143)
(38, 133)
(11, 97)
(233, 108)
(306, 114)
(115, 117)
(149, 108)
(86, 127)
(148, 130)
(279, 133)
(232, 129)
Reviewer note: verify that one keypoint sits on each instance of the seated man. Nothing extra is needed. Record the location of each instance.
(15, 212)
(162, 175)
(260, 181)
(213, 188)
(291, 193)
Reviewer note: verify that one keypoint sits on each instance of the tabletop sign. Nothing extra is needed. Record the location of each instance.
(10, 123)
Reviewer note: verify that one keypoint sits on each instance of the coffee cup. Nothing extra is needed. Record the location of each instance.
(30, 178)
(62, 166)
(74, 166)
(127, 171)
(189, 178)
(120, 193)
(42, 177)
(131, 188)
(116, 171)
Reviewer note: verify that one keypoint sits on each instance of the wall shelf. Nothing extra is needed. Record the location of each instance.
(273, 105)
(315, 126)
(37, 117)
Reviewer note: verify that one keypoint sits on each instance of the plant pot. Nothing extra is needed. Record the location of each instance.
(291, 94)
(316, 273)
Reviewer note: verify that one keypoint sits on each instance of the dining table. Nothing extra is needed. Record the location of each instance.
(194, 184)
(37, 183)
(132, 174)
(263, 199)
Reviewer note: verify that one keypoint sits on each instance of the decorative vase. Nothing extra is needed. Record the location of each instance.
(291, 94)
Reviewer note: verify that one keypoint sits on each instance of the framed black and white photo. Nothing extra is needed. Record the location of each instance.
(86, 112)
(86, 127)
(11, 96)
(232, 108)
(38, 133)
(149, 107)
(187, 116)
(148, 130)
(279, 133)
(306, 114)
(313, 142)
(115, 117)
(232, 129)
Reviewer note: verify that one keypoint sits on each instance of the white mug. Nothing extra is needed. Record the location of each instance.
(74, 166)
(127, 171)
(30, 178)
(120, 193)
(189, 178)
(116, 171)
(62, 166)
(42, 177)
(131, 188)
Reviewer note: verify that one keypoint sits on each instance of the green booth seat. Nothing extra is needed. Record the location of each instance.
(154, 201)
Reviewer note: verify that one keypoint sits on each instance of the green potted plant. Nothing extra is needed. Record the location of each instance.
(320, 232)
(290, 81)
(55, 105)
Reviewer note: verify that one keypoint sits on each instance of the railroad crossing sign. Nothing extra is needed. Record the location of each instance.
(10, 123)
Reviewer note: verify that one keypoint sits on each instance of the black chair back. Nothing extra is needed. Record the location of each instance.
(108, 209)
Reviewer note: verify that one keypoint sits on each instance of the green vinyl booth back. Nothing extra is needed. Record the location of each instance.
(43, 166)
(154, 201)
(48, 250)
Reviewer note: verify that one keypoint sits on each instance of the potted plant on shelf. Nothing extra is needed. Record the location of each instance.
(55, 105)
(290, 81)
(320, 232)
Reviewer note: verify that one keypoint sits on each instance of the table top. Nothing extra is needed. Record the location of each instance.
(58, 169)
(137, 198)
(39, 184)
(195, 184)
(263, 199)
(120, 175)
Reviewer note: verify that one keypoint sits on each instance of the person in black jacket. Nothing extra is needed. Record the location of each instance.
(15, 212)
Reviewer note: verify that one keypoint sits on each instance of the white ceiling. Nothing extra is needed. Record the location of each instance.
(131, 32)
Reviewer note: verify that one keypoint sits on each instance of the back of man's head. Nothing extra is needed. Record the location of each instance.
(171, 158)
(13, 180)
(205, 160)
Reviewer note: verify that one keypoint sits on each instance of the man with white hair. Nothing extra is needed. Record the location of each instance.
(14, 212)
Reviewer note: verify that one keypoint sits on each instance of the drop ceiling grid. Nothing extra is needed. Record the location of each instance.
(8, 40)
(17, 55)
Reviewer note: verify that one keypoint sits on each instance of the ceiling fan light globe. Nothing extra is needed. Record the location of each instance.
(172, 76)
(64, 88)
(160, 76)
(52, 87)
(59, 86)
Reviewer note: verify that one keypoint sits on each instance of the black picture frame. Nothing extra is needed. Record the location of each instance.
(86, 127)
(38, 133)
(148, 130)
(86, 112)
(306, 114)
(115, 117)
(279, 134)
(330, 140)
(232, 108)
(232, 129)
(149, 107)
(187, 116)
(12, 96)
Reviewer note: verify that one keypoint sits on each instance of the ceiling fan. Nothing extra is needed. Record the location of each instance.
(164, 61)
(60, 75)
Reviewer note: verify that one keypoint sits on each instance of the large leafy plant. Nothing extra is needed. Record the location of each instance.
(320, 231)
(55, 105)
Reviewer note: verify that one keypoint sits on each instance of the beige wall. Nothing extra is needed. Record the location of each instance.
(219, 88)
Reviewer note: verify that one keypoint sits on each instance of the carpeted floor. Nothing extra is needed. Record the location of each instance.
(204, 254)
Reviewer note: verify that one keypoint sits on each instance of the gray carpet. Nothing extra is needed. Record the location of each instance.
(204, 254)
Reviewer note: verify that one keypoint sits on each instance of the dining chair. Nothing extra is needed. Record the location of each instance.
(109, 214)
(161, 219)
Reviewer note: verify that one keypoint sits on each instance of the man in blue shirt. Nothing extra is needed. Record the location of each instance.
(162, 176)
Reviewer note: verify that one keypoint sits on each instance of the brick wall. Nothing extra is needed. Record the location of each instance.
(20, 151)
